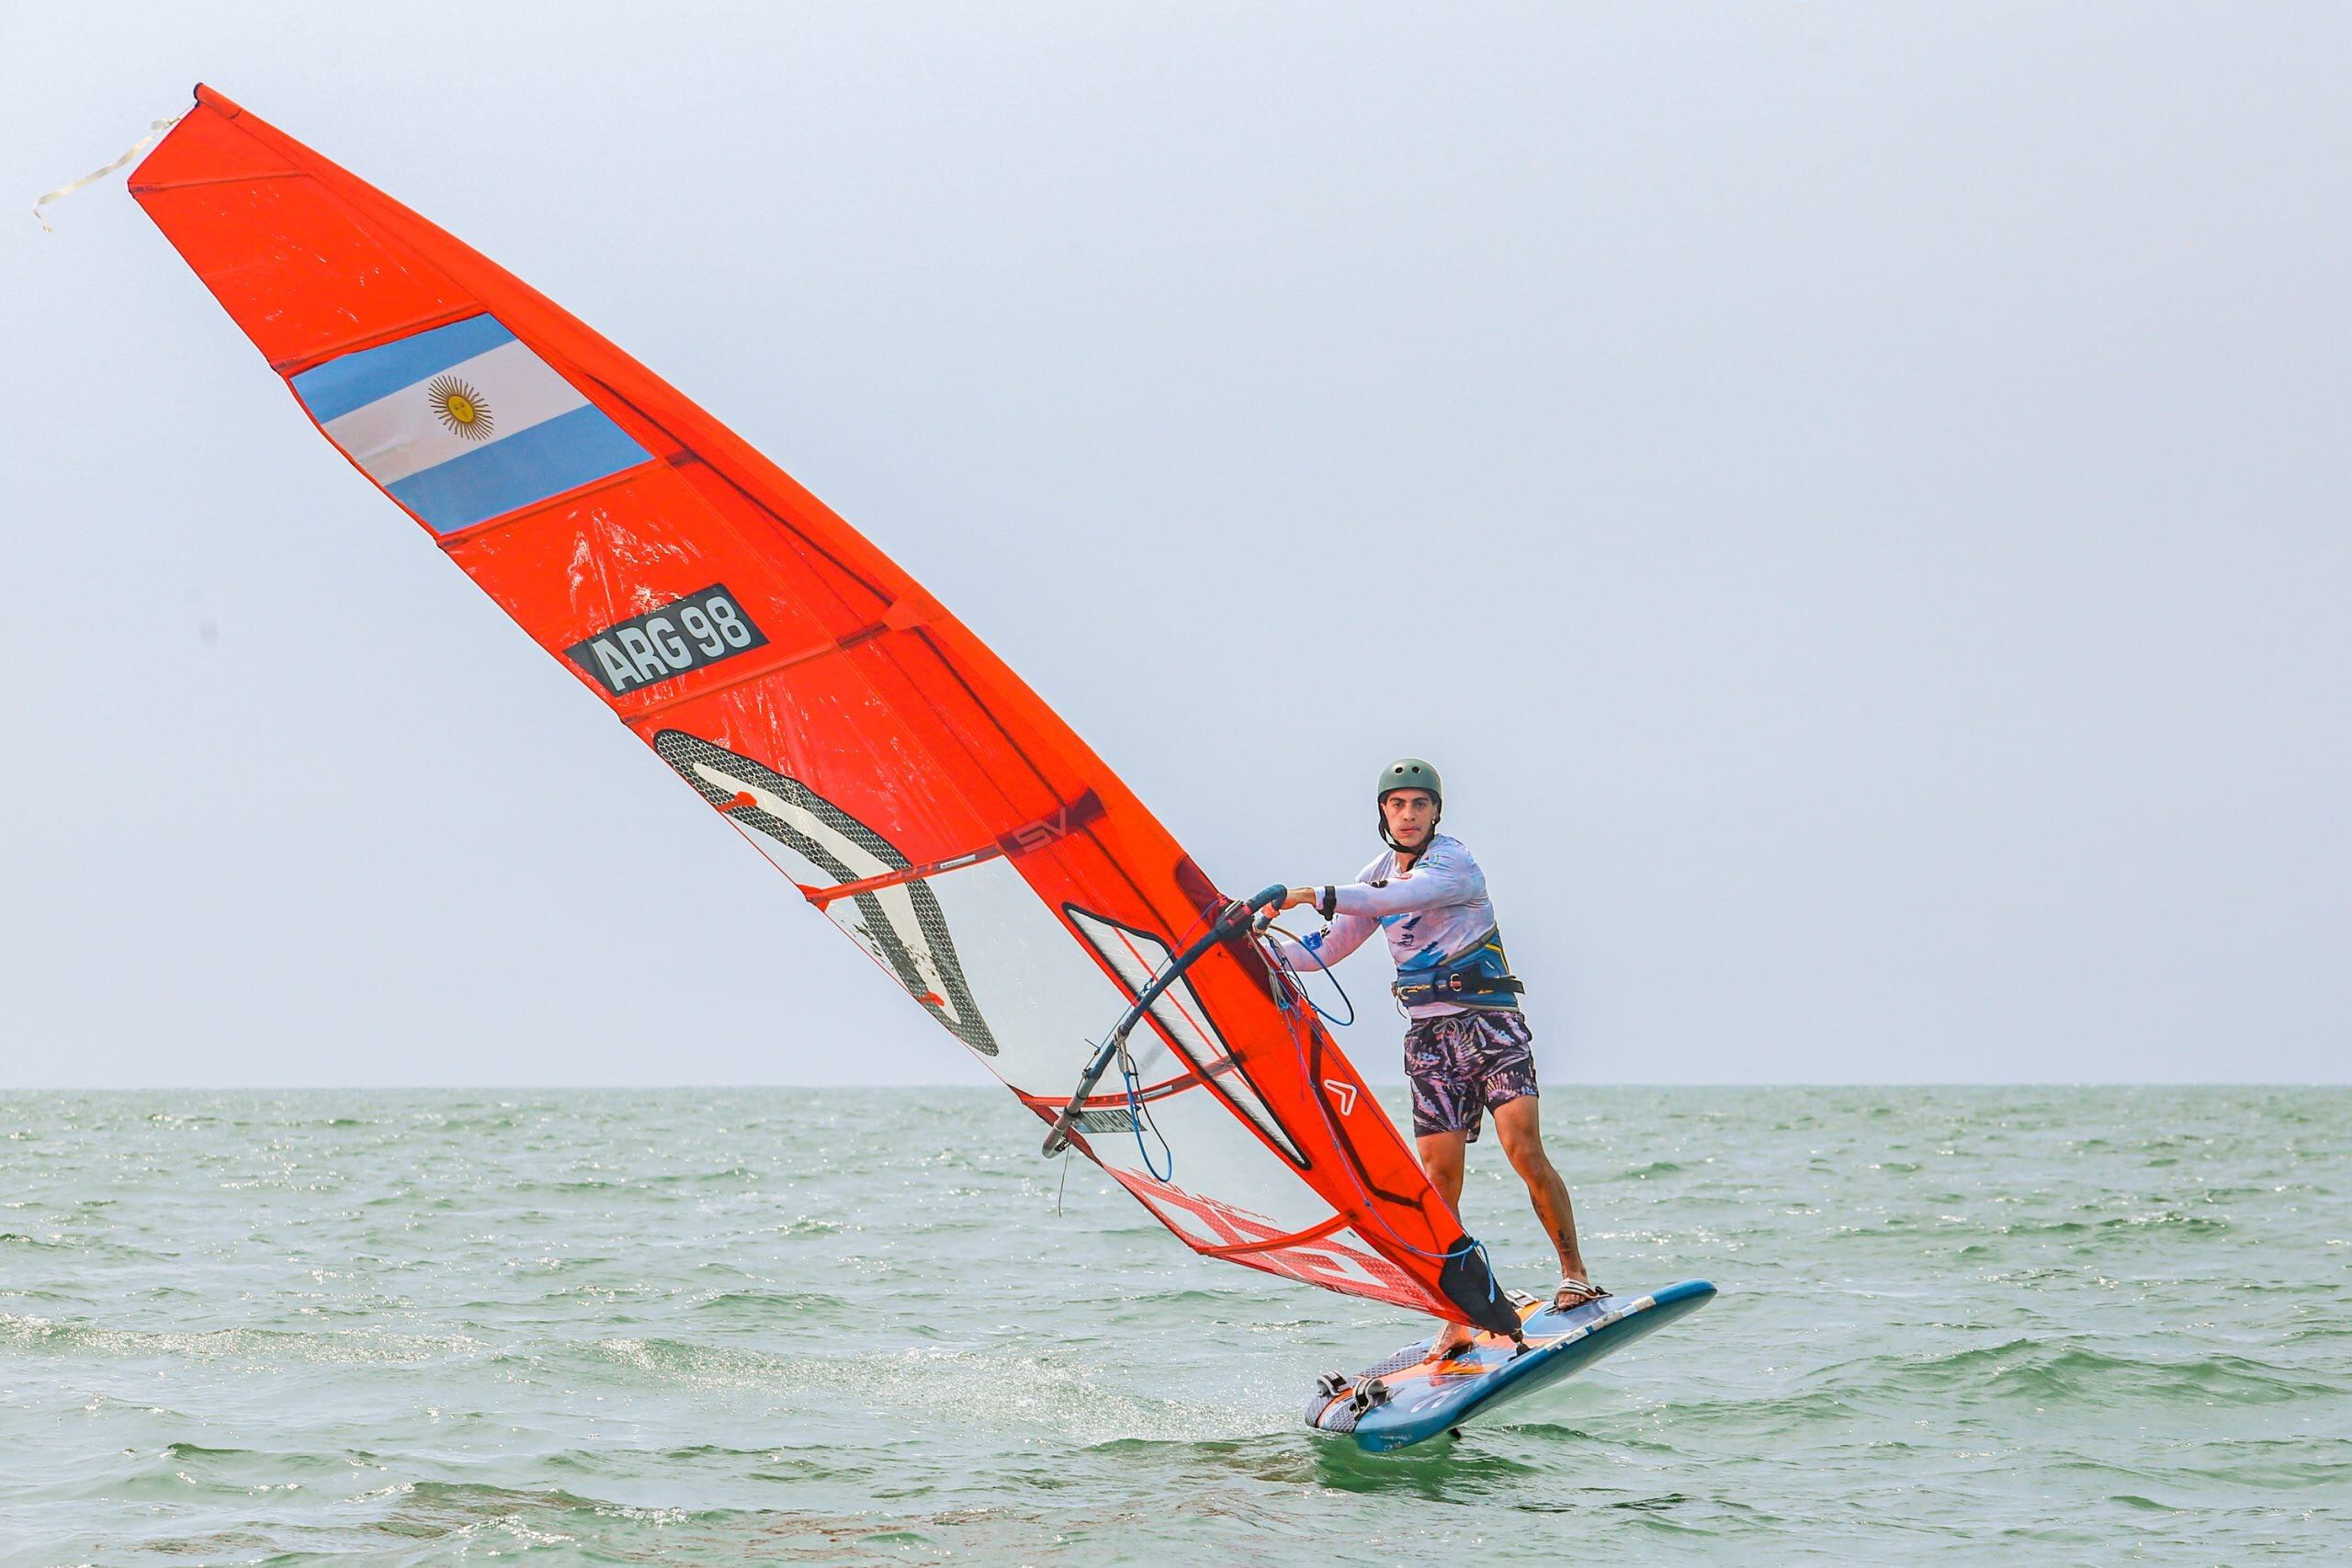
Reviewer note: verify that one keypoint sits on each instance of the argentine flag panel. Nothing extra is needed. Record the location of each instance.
(463, 423)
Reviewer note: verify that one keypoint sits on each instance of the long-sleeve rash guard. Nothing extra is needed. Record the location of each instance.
(1434, 913)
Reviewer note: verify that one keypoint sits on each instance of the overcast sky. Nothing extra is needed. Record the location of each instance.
(1853, 498)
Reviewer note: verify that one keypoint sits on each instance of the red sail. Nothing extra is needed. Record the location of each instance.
(921, 796)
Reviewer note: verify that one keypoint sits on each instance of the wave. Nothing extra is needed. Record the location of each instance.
(2040, 1369)
(257, 1348)
(768, 1306)
(46, 1243)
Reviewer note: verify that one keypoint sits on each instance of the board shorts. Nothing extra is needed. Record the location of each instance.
(1462, 1065)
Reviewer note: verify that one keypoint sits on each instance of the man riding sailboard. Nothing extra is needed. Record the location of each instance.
(1467, 1049)
(918, 794)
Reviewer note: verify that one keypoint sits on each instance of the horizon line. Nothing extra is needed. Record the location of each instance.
(983, 1089)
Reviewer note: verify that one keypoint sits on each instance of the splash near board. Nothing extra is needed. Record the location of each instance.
(1409, 1398)
(917, 792)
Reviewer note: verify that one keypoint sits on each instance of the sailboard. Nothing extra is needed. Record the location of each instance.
(919, 796)
(1414, 1395)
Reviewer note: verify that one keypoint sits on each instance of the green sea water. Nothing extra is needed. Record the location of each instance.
(2017, 1324)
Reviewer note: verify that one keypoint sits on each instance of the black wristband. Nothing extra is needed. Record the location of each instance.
(1328, 903)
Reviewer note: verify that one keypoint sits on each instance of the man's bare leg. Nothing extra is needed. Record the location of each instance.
(1441, 1155)
(1521, 1135)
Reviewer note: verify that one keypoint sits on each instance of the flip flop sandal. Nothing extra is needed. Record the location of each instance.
(1582, 1290)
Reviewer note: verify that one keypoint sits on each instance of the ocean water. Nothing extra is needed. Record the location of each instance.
(2029, 1325)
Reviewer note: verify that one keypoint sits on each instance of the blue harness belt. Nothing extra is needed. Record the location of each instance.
(1478, 978)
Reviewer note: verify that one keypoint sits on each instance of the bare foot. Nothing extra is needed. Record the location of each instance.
(1451, 1340)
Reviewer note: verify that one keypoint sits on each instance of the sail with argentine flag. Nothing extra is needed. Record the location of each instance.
(816, 700)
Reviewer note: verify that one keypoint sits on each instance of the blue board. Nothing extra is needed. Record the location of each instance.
(1415, 1398)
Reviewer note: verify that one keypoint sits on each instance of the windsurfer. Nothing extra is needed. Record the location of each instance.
(1467, 1049)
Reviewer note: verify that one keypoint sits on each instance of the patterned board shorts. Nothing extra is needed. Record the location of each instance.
(1464, 1065)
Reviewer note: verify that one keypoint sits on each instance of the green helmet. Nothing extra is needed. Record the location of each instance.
(1409, 773)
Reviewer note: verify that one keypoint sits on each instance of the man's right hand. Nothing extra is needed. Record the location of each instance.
(1292, 898)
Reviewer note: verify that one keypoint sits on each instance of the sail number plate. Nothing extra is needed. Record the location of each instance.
(699, 630)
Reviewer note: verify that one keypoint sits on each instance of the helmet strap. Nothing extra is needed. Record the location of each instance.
(1390, 838)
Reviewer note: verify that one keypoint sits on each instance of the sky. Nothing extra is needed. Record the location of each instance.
(1851, 497)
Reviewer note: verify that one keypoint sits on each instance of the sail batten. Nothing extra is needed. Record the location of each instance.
(916, 793)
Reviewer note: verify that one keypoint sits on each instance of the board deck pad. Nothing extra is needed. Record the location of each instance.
(1419, 1398)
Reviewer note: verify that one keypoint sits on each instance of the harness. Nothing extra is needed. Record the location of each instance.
(1478, 978)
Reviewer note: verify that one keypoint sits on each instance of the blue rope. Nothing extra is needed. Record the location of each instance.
(1284, 964)
(1137, 1115)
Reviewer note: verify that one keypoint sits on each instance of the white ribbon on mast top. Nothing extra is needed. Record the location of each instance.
(154, 133)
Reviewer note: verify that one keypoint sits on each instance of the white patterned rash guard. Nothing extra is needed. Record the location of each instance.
(1433, 914)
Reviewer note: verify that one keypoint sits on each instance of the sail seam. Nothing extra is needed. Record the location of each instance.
(311, 360)
(1312, 1233)
(225, 180)
(1027, 839)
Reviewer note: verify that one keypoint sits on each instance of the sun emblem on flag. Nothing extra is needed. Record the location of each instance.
(459, 407)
